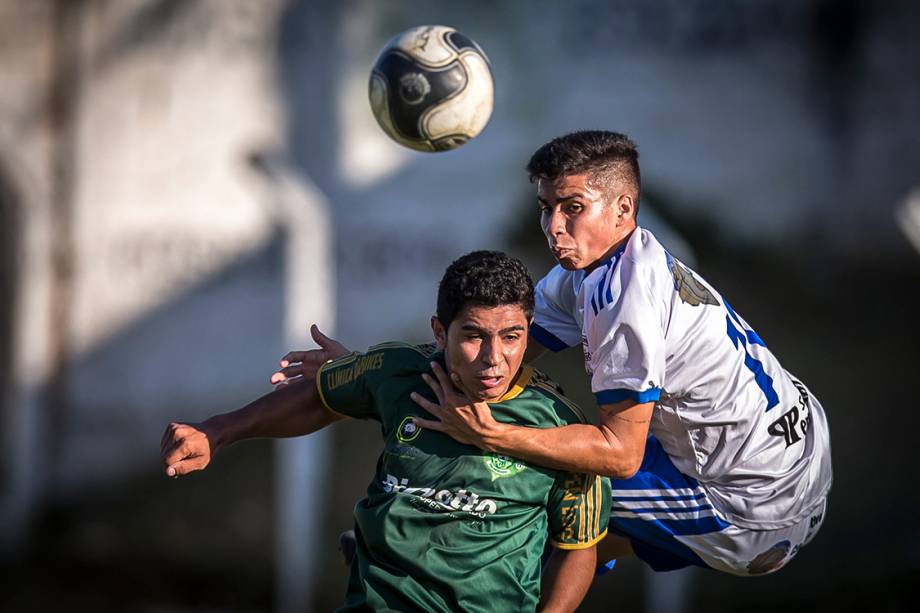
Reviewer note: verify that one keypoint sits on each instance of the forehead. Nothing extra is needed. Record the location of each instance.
(565, 186)
(491, 318)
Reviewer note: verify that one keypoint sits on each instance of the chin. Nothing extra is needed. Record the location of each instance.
(490, 395)
(569, 264)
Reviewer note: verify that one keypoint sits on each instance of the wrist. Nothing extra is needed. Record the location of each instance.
(494, 438)
(217, 431)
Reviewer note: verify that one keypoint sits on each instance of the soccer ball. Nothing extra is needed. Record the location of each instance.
(431, 88)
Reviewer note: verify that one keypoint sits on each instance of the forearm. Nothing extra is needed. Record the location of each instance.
(580, 448)
(291, 410)
(566, 579)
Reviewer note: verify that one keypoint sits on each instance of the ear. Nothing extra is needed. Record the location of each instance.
(626, 207)
(440, 334)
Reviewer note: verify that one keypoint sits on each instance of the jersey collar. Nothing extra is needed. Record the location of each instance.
(515, 390)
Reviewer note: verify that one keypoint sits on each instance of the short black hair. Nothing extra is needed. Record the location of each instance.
(484, 278)
(607, 156)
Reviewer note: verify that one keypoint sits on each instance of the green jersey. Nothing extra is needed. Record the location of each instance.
(446, 526)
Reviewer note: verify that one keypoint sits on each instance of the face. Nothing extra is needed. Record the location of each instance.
(484, 346)
(582, 224)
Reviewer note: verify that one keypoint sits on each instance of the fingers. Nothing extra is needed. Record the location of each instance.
(292, 357)
(458, 384)
(321, 339)
(431, 407)
(450, 384)
(282, 382)
(435, 387)
(430, 424)
(185, 467)
(287, 372)
(332, 347)
(442, 377)
(174, 434)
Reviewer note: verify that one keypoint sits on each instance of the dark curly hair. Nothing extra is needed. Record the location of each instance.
(484, 278)
(608, 157)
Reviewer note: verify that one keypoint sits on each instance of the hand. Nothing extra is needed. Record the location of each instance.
(459, 417)
(186, 448)
(299, 365)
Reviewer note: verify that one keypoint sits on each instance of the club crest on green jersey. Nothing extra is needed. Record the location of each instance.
(502, 466)
(408, 430)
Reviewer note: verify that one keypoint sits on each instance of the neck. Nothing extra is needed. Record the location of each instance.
(619, 242)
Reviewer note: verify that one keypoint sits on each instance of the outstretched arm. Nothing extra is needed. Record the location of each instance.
(614, 447)
(566, 578)
(291, 410)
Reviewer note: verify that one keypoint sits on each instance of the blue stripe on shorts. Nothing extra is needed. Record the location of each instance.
(658, 504)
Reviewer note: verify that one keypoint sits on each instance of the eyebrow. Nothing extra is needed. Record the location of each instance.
(560, 198)
(472, 328)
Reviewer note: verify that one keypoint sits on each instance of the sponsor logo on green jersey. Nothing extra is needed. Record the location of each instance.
(502, 466)
(442, 499)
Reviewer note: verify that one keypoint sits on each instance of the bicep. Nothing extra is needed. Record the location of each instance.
(628, 422)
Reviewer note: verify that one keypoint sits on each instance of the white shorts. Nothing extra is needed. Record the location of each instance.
(671, 524)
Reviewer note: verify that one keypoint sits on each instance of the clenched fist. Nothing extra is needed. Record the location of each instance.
(186, 448)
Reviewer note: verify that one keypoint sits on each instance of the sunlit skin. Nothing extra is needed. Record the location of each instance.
(583, 224)
(484, 348)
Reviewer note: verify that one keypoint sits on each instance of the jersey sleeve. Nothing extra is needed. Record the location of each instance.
(627, 336)
(348, 384)
(579, 507)
(553, 325)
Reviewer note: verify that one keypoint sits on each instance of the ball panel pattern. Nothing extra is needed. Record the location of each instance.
(412, 89)
(470, 108)
(431, 88)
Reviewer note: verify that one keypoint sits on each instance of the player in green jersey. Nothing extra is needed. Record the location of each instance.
(444, 526)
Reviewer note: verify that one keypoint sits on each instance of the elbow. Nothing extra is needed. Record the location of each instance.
(623, 467)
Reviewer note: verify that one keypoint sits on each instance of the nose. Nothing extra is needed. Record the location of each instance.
(556, 225)
(491, 353)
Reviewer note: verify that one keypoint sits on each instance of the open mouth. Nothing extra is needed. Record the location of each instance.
(490, 382)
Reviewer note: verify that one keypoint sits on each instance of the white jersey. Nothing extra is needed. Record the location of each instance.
(726, 412)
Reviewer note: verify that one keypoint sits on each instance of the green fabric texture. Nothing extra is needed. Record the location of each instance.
(445, 526)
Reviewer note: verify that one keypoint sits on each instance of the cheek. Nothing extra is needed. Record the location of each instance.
(591, 231)
(462, 355)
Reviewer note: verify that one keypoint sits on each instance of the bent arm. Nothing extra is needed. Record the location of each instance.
(566, 578)
(613, 448)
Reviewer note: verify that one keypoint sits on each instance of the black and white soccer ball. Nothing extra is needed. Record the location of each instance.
(431, 88)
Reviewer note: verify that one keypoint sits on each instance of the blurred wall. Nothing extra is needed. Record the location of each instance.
(129, 128)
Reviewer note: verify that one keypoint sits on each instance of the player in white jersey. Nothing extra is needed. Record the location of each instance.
(719, 457)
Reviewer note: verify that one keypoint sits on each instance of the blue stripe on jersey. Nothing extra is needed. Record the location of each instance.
(600, 286)
(751, 336)
(605, 298)
(653, 539)
(610, 396)
(546, 338)
(659, 498)
(702, 507)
